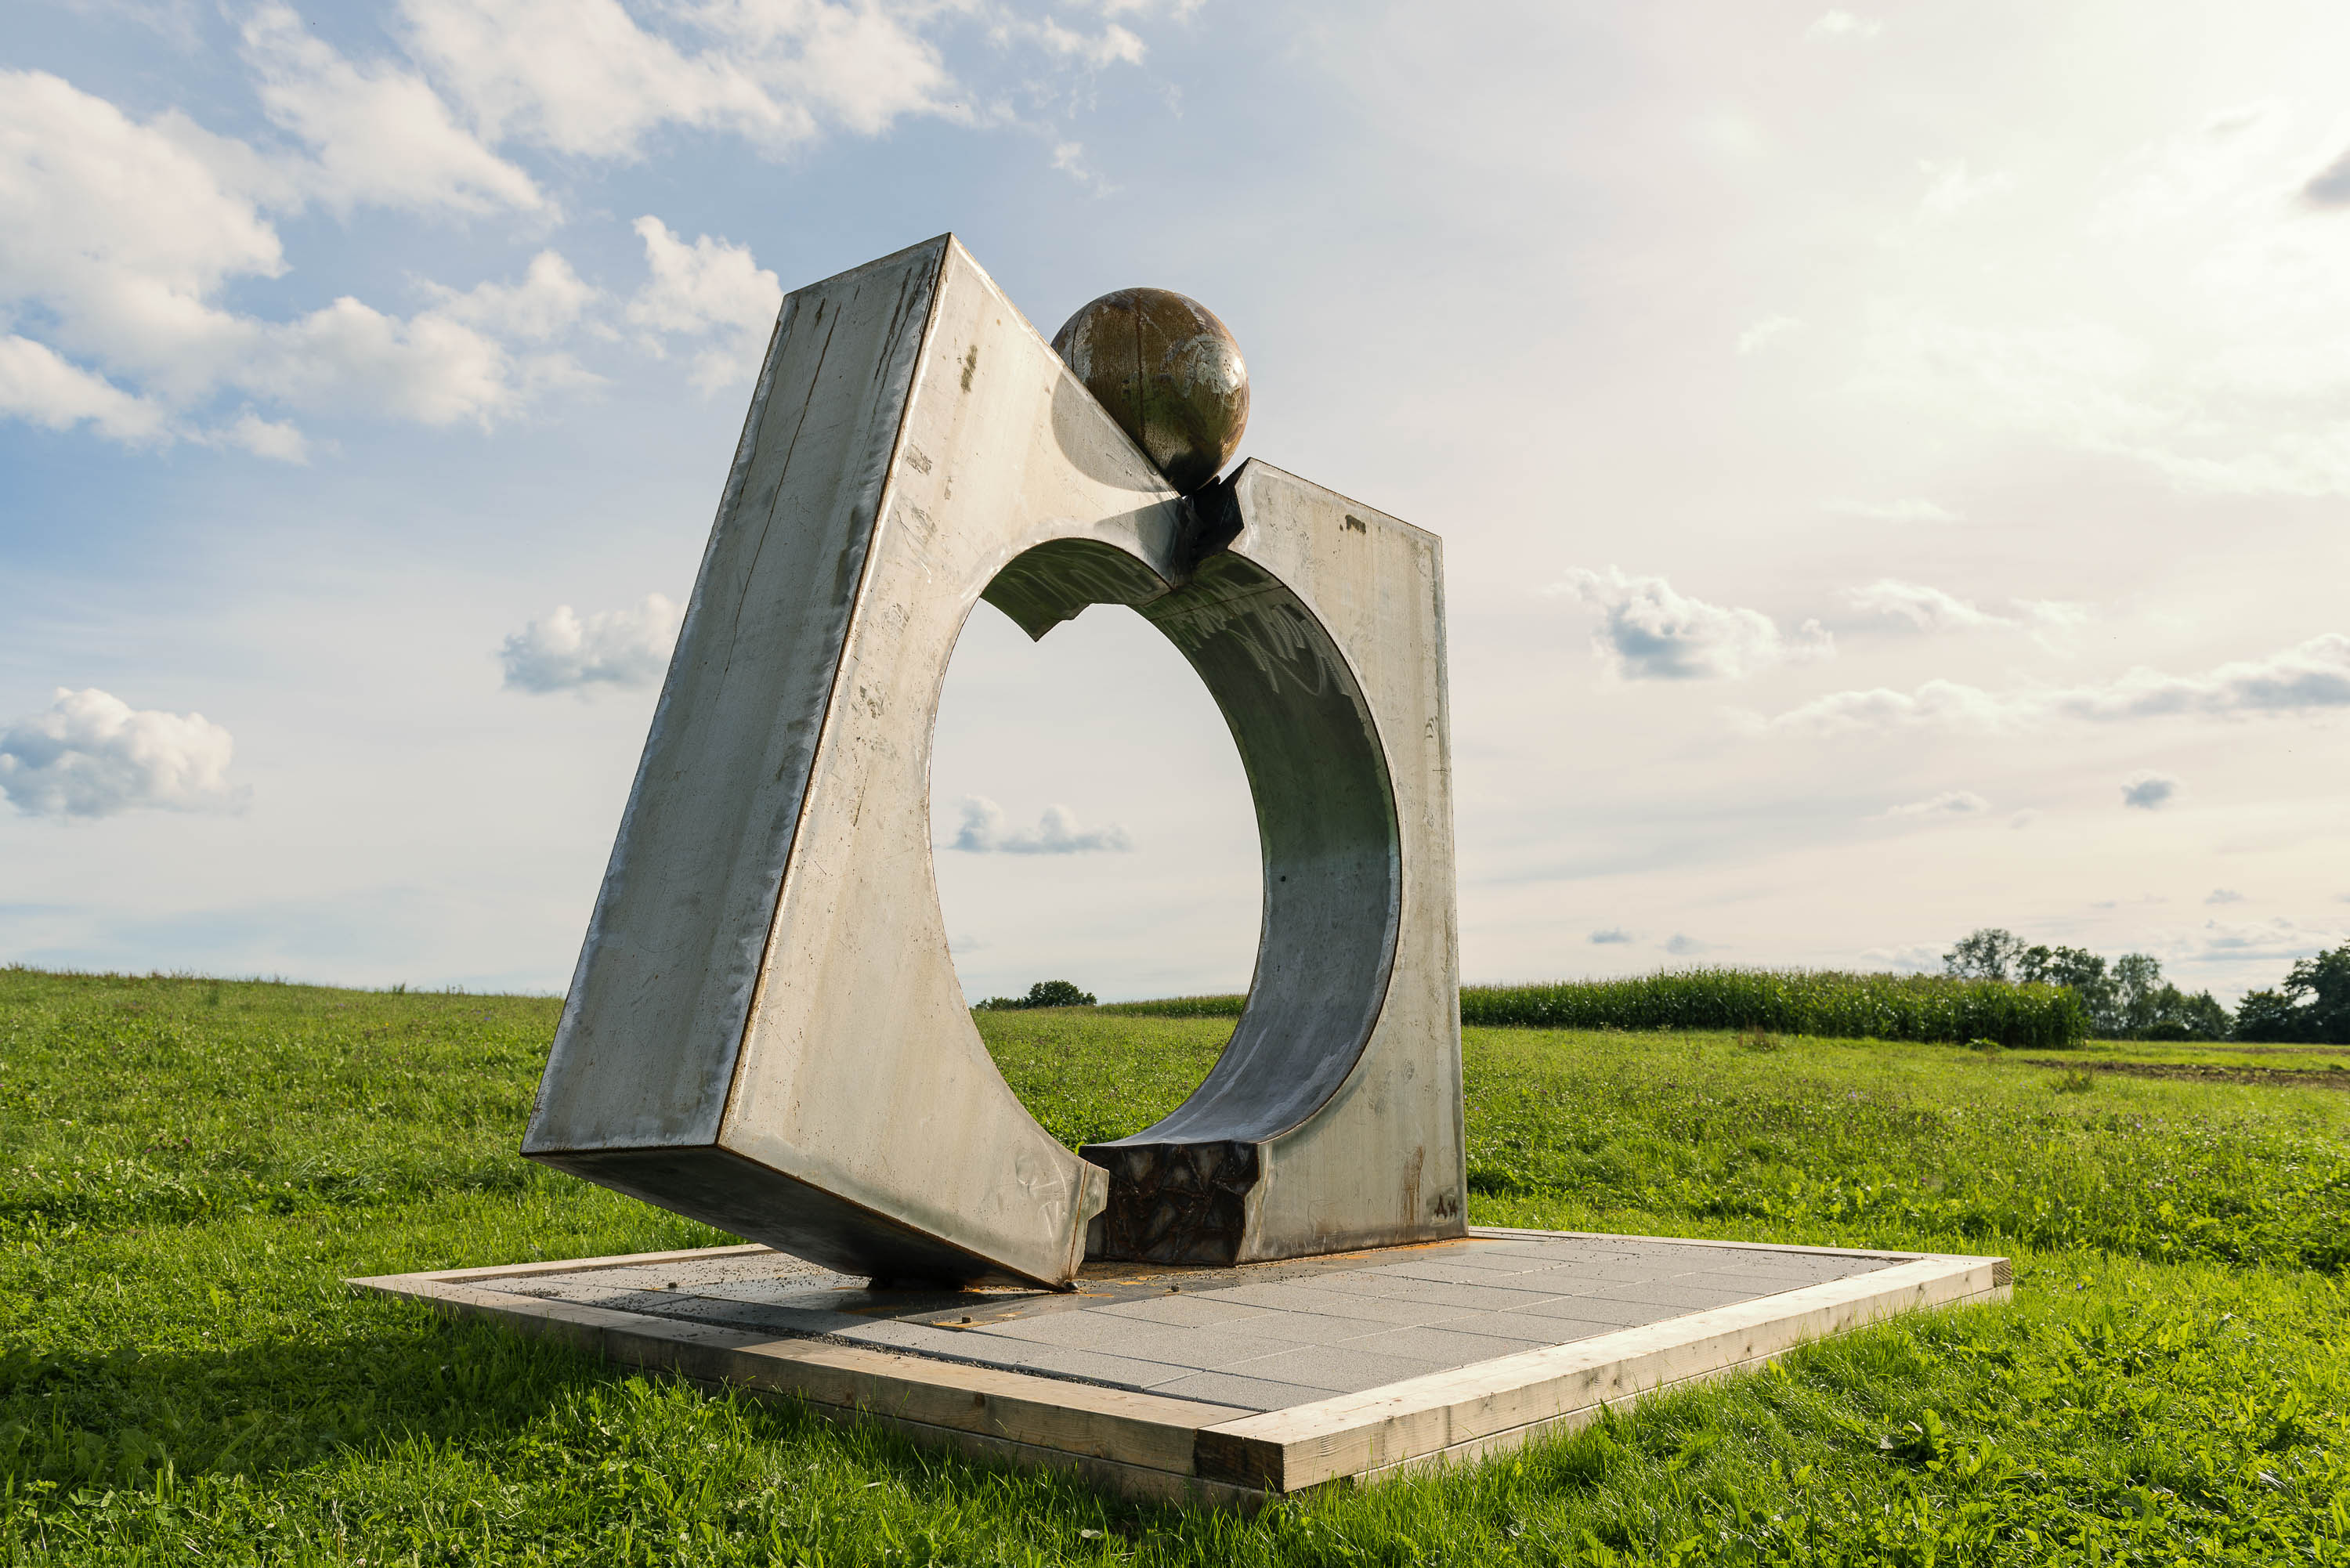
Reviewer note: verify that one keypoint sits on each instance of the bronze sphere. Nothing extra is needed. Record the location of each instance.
(1168, 372)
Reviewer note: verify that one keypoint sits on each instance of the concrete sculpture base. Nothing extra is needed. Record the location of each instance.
(1228, 1385)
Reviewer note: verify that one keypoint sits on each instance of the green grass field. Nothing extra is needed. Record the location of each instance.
(188, 1168)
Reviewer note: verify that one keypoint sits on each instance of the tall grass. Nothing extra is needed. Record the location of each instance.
(1927, 1007)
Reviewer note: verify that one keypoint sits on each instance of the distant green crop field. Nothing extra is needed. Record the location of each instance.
(1926, 1007)
(188, 1168)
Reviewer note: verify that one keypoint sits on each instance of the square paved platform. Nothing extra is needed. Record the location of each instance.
(1228, 1384)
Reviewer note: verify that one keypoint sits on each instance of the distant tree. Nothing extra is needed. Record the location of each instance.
(2137, 994)
(2079, 970)
(2178, 1016)
(2270, 1016)
(2320, 990)
(1044, 994)
(1990, 953)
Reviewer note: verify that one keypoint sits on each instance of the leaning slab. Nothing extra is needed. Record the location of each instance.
(1228, 1387)
(765, 1031)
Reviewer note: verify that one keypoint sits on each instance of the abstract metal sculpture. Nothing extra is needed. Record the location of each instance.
(765, 1031)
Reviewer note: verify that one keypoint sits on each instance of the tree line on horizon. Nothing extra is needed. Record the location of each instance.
(2127, 998)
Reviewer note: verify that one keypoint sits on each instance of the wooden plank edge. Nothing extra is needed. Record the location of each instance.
(1514, 1233)
(1141, 1482)
(1075, 1420)
(1574, 1420)
(574, 1266)
(1378, 1428)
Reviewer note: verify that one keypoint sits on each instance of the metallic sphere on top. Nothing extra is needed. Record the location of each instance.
(1168, 372)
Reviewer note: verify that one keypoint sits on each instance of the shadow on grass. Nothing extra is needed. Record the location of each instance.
(406, 1381)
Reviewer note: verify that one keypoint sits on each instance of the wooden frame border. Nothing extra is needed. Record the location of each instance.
(1148, 1445)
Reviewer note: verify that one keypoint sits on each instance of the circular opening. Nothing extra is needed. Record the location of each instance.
(1091, 817)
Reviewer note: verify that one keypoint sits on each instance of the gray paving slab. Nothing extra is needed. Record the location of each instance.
(544, 1289)
(1317, 1328)
(918, 1337)
(1494, 1263)
(745, 1314)
(1189, 1312)
(1570, 1248)
(1247, 1392)
(1674, 1295)
(1205, 1348)
(1461, 1298)
(1443, 1272)
(1445, 1347)
(1338, 1366)
(1619, 1273)
(1063, 1361)
(563, 1285)
(771, 1292)
(1335, 1303)
(1515, 1326)
(1598, 1309)
(1568, 1330)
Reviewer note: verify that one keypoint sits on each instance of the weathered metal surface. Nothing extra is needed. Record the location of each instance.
(765, 1031)
(1168, 372)
(1319, 626)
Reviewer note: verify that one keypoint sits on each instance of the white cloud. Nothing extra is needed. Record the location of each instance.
(2054, 621)
(123, 235)
(1683, 946)
(119, 228)
(383, 136)
(1765, 332)
(1648, 632)
(1112, 45)
(1936, 703)
(984, 833)
(1918, 958)
(2311, 677)
(1610, 936)
(613, 647)
(1907, 509)
(1926, 609)
(2223, 896)
(583, 77)
(92, 754)
(40, 388)
(1069, 157)
(1950, 802)
(1845, 25)
(2148, 791)
(263, 438)
(2220, 941)
(549, 301)
(2315, 675)
(711, 290)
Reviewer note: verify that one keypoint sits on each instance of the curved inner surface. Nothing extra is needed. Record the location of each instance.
(1042, 587)
(1333, 862)
(1326, 819)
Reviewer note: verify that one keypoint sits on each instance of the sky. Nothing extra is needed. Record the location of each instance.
(1891, 461)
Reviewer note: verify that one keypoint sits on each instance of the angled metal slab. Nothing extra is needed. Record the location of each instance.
(765, 1031)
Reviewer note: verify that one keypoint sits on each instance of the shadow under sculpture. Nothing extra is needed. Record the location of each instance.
(765, 1031)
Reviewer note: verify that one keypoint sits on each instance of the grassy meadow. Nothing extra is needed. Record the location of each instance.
(188, 1169)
